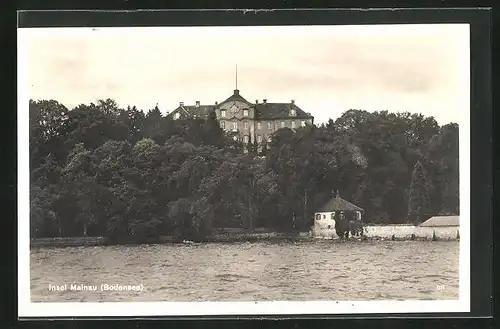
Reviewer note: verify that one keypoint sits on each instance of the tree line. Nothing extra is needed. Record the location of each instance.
(130, 175)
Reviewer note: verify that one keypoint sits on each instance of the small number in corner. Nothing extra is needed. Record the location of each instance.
(440, 287)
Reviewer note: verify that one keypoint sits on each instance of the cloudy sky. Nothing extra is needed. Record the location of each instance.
(326, 69)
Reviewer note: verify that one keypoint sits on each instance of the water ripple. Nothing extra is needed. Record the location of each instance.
(317, 270)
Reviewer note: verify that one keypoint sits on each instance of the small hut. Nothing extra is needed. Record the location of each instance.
(336, 208)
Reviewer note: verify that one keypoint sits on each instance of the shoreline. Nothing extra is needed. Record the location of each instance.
(226, 238)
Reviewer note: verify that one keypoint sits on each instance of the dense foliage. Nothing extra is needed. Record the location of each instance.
(99, 170)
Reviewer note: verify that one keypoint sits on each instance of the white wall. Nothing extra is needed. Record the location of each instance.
(324, 228)
(321, 230)
(406, 231)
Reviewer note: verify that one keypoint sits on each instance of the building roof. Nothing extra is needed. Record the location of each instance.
(200, 111)
(338, 204)
(278, 111)
(441, 221)
(263, 111)
(236, 97)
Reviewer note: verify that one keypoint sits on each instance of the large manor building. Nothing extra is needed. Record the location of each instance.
(254, 122)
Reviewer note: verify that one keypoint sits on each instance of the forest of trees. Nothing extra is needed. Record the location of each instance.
(130, 175)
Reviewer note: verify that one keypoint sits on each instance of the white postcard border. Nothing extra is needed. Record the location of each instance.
(28, 309)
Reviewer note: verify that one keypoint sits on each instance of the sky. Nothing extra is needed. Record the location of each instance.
(327, 70)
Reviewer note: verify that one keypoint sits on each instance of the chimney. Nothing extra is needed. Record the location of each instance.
(197, 103)
(236, 92)
(256, 101)
(264, 100)
(181, 103)
(293, 101)
(216, 102)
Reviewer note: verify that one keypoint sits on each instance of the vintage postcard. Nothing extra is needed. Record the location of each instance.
(245, 170)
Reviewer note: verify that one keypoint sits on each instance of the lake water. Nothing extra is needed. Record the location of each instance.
(316, 270)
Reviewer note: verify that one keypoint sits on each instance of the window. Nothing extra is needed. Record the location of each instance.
(258, 125)
(235, 125)
(324, 216)
(235, 138)
(333, 215)
(293, 124)
(245, 113)
(269, 139)
(259, 138)
(303, 123)
(223, 113)
(245, 139)
(282, 124)
(269, 125)
(223, 124)
(318, 216)
(177, 115)
(293, 113)
(245, 124)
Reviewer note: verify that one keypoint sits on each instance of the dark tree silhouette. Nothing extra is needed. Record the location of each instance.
(99, 170)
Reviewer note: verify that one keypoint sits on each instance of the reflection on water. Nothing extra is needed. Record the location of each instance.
(321, 270)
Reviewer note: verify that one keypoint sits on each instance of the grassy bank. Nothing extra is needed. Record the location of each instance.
(226, 237)
(69, 242)
(221, 235)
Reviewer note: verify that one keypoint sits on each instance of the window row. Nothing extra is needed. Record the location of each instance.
(259, 139)
(223, 113)
(177, 115)
(332, 215)
(293, 124)
(232, 125)
(259, 125)
(246, 113)
(318, 216)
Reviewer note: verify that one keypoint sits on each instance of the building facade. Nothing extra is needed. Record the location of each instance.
(246, 121)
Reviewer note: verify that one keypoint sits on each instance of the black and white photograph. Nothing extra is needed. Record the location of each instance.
(244, 170)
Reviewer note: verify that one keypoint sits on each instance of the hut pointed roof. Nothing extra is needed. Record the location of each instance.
(338, 204)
